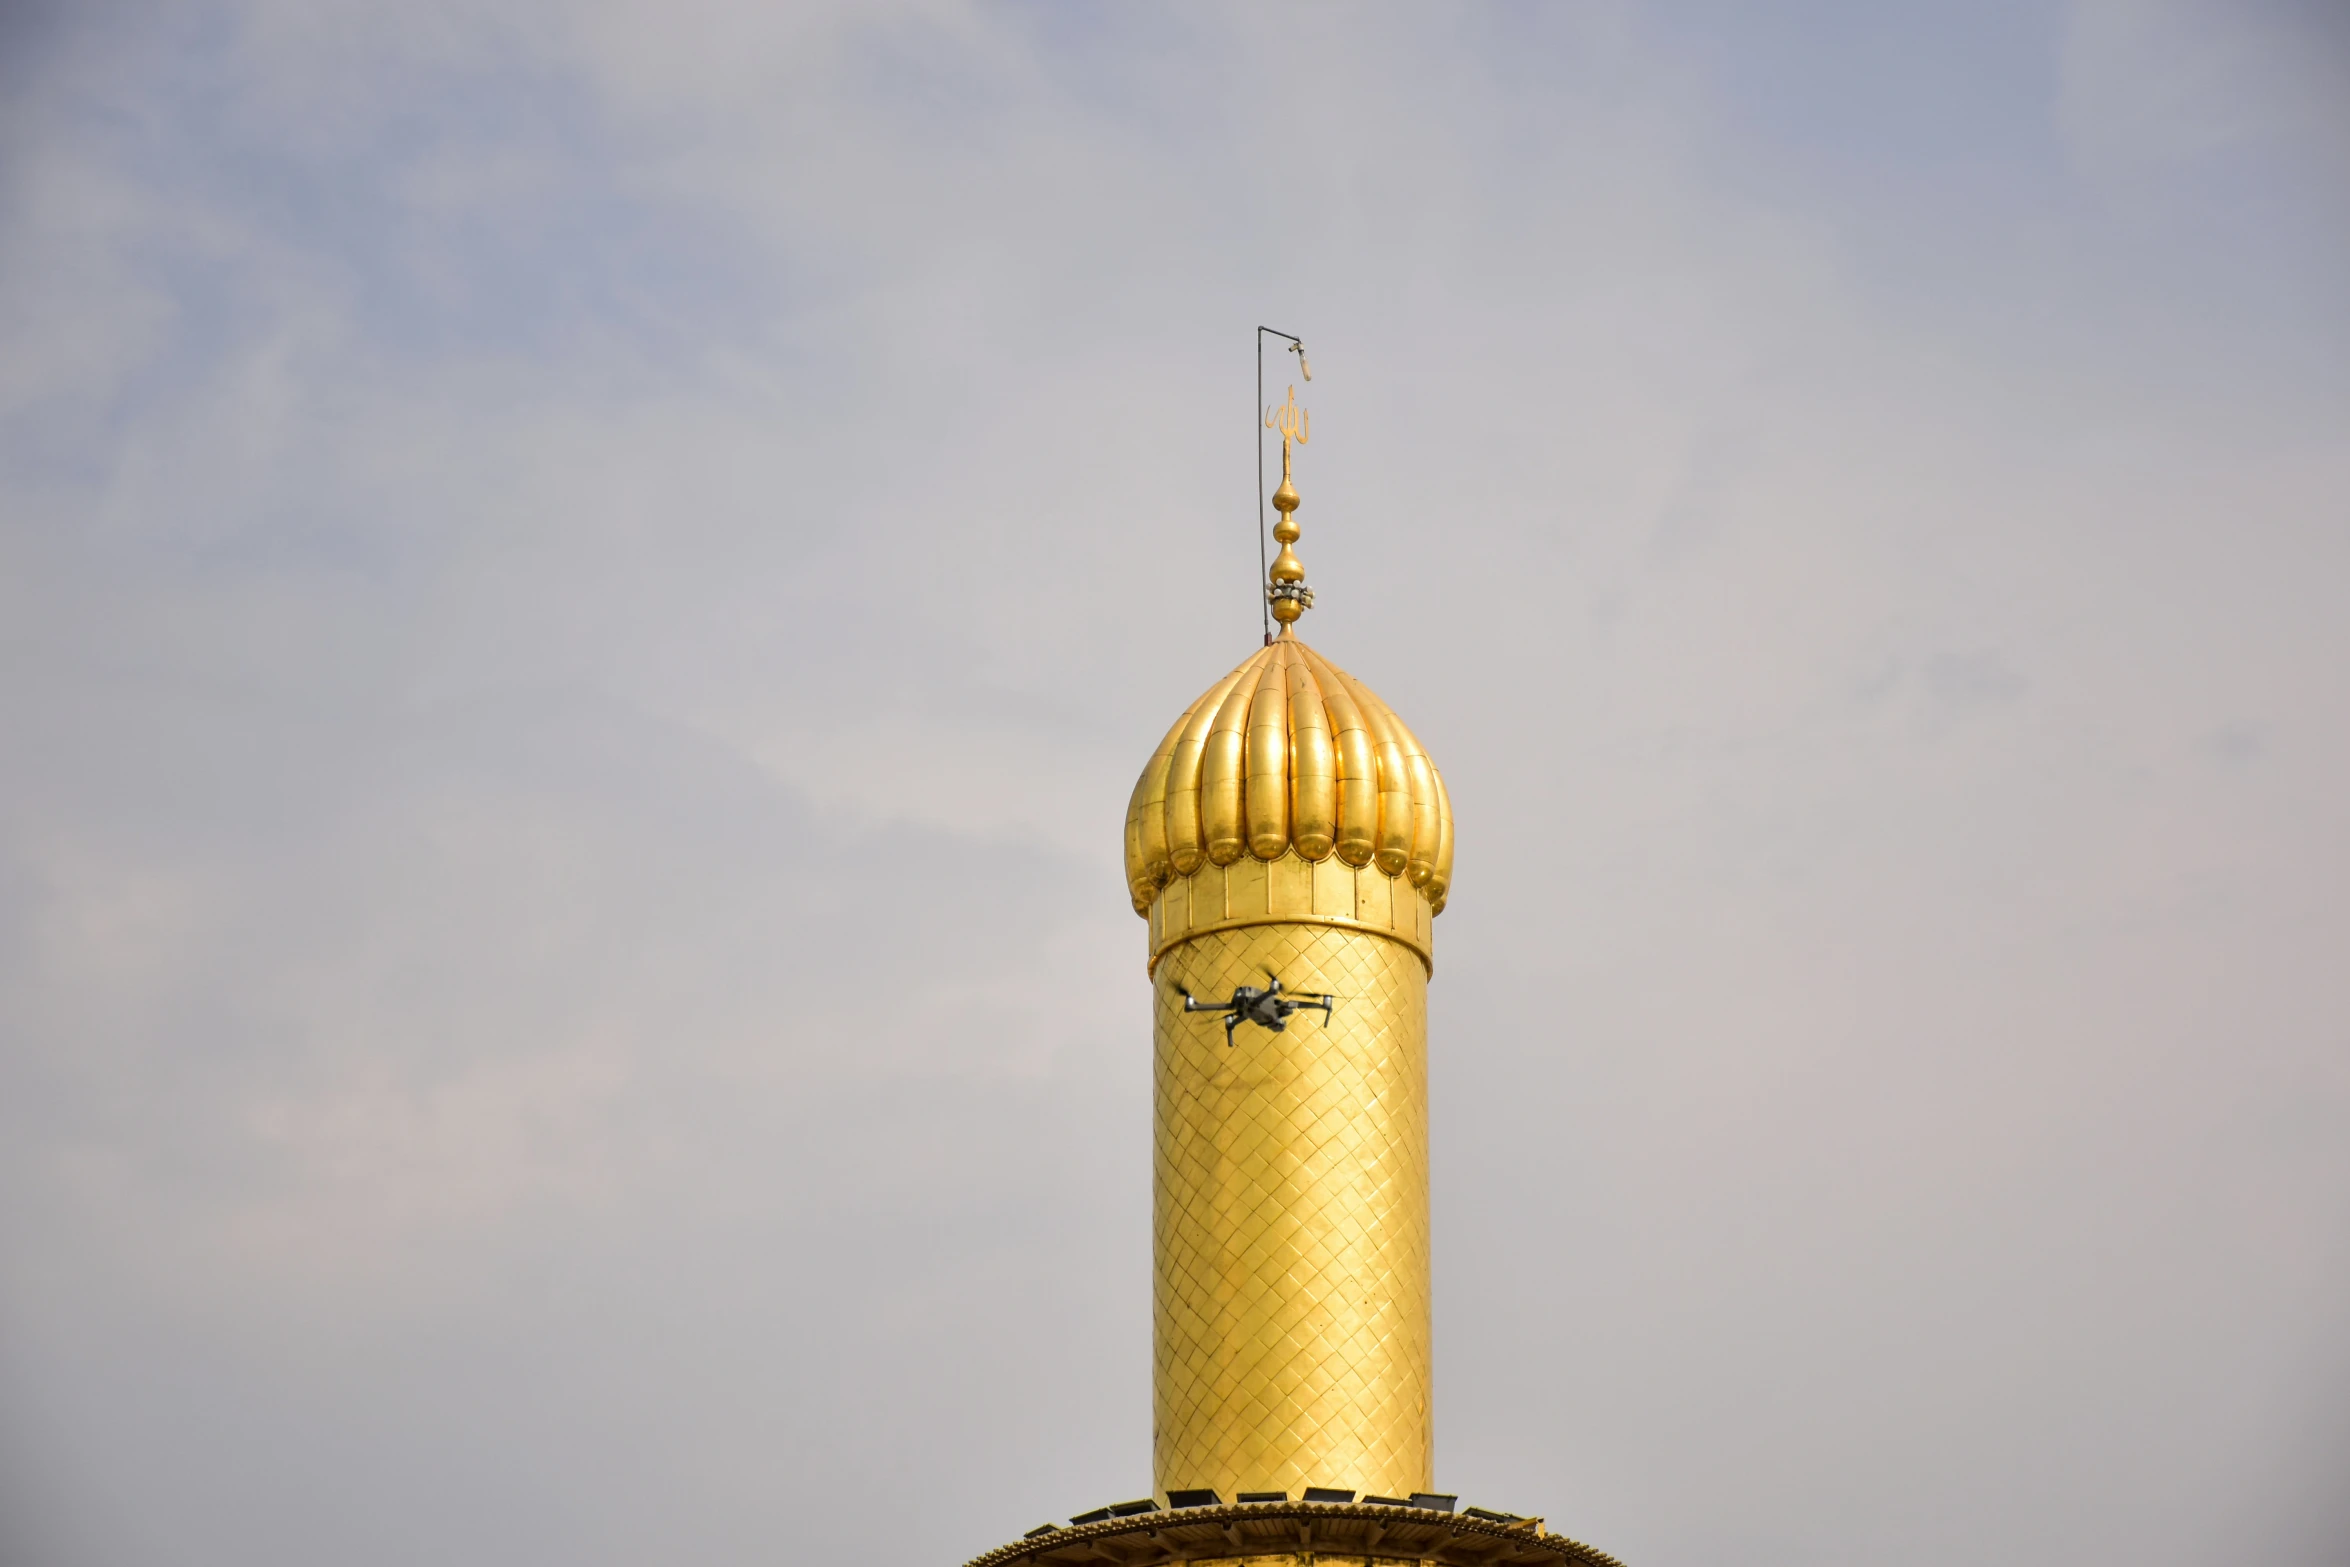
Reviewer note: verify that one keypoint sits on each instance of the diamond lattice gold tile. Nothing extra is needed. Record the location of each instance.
(1291, 1328)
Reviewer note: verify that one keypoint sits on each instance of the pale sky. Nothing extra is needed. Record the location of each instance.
(582, 587)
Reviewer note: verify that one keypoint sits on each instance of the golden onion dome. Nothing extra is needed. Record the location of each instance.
(1289, 757)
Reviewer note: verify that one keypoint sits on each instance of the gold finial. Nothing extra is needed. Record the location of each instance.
(1287, 590)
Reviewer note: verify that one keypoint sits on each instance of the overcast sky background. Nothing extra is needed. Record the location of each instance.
(582, 586)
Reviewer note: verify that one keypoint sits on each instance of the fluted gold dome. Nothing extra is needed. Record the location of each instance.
(1290, 758)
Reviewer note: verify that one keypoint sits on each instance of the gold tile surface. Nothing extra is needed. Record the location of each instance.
(1291, 1320)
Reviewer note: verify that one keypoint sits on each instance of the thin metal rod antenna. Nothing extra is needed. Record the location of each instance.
(1257, 418)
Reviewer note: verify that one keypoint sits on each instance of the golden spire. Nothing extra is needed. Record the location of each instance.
(1287, 590)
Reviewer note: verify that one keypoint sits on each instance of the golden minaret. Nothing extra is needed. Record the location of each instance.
(1290, 844)
(1290, 827)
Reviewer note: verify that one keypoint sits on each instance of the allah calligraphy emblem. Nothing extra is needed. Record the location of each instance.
(1289, 419)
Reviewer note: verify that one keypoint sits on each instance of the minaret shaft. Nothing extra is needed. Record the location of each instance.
(1291, 1323)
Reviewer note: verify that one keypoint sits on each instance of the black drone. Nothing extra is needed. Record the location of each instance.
(1268, 1008)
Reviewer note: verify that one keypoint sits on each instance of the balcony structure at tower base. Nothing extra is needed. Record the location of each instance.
(1285, 1534)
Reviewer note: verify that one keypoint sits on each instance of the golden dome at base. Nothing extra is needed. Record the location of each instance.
(1289, 755)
